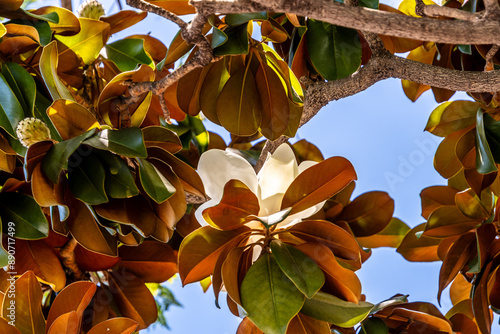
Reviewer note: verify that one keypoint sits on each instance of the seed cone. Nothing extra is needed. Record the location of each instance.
(32, 130)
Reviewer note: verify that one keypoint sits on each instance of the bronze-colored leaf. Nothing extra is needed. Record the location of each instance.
(435, 197)
(318, 183)
(230, 271)
(71, 119)
(115, 326)
(343, 244)
(151, 261)
(368, 213)
(133, 298)
(447, 221)
(123, 19)
(27, 303)
(75, 297)
(247, 327)
(340, 281)
(238, 206)
(66, 323)
(200, 249)
(37, 256)
(302, 324)
(458, 255)
(423, 249)
(273, 101)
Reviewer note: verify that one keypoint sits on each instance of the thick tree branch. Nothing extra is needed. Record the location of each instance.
(479, 30)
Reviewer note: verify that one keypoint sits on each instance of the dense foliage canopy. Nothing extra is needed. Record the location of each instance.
(110, 183)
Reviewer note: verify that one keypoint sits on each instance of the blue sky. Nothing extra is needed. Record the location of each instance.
(381, 132)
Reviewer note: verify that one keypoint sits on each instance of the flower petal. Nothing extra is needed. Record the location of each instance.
(279, 170)
(306, 164)
(217, 167)
(299, 216)
(199, 212)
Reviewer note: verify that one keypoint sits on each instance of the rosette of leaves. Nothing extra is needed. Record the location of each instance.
(461, 231)
(249, 90)
(468, 154)
(121, 303)
(261, 240)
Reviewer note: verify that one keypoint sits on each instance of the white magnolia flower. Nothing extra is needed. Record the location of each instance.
(217, 167)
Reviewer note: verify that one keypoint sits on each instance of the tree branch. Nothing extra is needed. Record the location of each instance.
(67, 252)
(479, 30)
(149, 7)
(435, 11)
(67, 4)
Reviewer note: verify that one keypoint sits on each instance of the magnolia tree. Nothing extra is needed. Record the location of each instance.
(110, 184)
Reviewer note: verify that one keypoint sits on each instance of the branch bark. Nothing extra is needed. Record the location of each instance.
(67, 252)
(479, 30)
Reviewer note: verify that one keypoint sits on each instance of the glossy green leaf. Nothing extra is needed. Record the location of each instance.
(119, 181)
(86, 180)
(128, 142)
(374, 326)
(492, 131)
(219, 37)
(213, 84)
(237, 41)
(238, 107)
(334, 51)
(11, 111)
(48, 69)
(485, 162)
(25, 213)
(155, 184)
(270, 299)
(128, 53)
(21, 84)
(43, 28)
(57, 157)
(298, 267)
(373, 4)
(52, 17)
(336, 311)
(89, 41)
(237, 19)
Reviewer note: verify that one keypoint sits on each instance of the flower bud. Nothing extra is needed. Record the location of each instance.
(91, 9)
(32, 130)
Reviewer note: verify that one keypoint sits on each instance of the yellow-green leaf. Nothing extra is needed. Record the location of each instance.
(48, 69)
(89, 41)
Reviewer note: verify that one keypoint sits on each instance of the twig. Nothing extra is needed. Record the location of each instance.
(148, 7)
(68, 254)
(164, 108)
(435, 11)
(489, 57)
